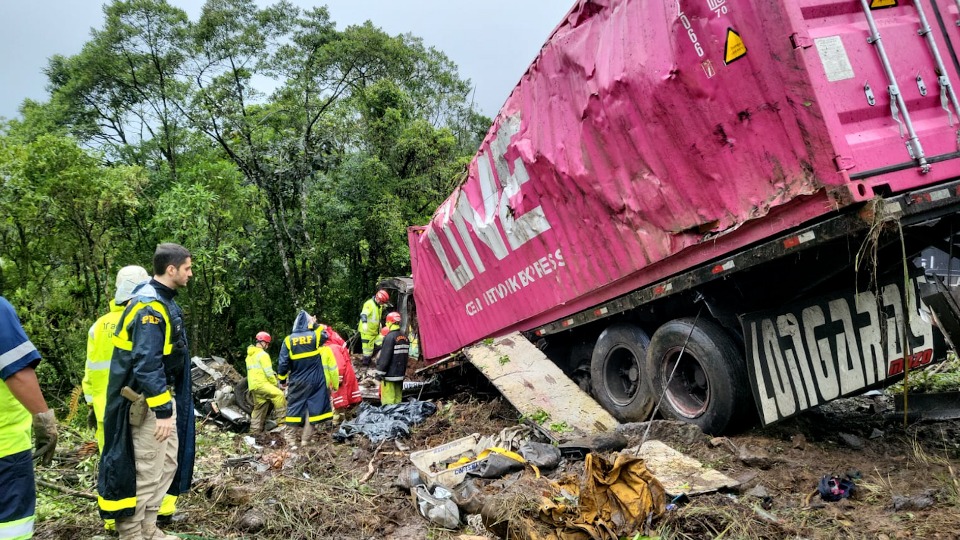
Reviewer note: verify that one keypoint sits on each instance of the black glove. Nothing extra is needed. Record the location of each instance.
(92, 419)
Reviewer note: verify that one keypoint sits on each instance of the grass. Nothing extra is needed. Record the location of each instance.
(941, 469)
(942, 377)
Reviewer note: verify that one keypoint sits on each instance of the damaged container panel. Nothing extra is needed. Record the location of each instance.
(650, 137)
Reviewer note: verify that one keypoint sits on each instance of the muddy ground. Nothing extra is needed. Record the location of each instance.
(908, 480)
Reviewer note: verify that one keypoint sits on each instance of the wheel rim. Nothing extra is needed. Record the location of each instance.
(621, 375)
(689, 390)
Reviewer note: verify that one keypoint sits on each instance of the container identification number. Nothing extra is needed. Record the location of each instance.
(691, 33)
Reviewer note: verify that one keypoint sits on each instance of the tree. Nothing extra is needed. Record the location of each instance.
(62, 211)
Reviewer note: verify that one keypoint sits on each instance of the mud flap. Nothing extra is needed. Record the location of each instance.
(945, 306)
(540, 390)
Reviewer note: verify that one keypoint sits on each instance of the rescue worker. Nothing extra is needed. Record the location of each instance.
(262, 383)
(310, 370)
(369, 326)
(100, 350)
(149, 431)
(392, 365)
(349, 391)
(100, 345)
(20, 397)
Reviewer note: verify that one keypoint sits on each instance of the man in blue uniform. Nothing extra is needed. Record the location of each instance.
(148, 423)
(20, 397)
(310, 369)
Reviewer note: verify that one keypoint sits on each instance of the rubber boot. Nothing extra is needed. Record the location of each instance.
(150, 529)
(259, 417)
(292, 435)
(128, 529)
(307, 434)
(279, 416)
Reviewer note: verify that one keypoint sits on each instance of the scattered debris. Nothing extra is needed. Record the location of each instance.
(755, 456)
(679, 473)
(851, 440)
(834, 488)
(931, 406)
(220, 393)
(609, 500)
(798, 441)
(541, 455)
(252, 521)
(917, 502)
(438, 506)
(437, 465)
(387, 422)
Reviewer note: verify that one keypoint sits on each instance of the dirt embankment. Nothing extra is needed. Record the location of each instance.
(907, 480)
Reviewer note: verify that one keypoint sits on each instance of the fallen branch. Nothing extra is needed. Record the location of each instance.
(66, 490)
(370, 467)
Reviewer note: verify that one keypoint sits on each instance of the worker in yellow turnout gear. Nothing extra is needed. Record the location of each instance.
(369, 326)
(262, 383)
(100, 350)
(100, 344)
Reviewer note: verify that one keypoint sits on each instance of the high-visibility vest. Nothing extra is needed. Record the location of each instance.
(96, 374)
(373, 311)
(15, 348)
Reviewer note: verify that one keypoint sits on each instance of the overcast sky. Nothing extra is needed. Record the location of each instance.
(492, 42)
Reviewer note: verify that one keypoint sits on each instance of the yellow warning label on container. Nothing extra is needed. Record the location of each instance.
(880, 4)
(735, 48)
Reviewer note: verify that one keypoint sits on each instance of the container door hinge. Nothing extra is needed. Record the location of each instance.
(801, 40)
(844, 163)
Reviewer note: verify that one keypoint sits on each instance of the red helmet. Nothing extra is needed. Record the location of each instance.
(264, 337)
(382, 296)
(393, 318)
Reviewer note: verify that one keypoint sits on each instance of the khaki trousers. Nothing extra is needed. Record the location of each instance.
(156, 464)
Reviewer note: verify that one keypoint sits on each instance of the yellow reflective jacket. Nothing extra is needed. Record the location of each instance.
(259, 368)
(99, 352)
(370, 318)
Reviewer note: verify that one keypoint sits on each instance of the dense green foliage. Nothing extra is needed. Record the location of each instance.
(288, 155)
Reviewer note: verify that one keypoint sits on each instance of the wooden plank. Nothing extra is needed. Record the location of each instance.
(680, 473)
(537, 387)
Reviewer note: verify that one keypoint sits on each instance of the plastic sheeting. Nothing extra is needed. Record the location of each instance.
(387, 422)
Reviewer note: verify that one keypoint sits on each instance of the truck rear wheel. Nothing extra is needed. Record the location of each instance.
(709, 387)
(617, 373)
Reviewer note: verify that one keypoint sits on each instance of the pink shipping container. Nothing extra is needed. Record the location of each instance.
(686, 203)
(649, 137)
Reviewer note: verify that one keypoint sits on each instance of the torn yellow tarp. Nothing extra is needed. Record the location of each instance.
(614, 501)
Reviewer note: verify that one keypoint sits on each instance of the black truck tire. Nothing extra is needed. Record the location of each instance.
(618, 375)
(241, 393)
(710, 387)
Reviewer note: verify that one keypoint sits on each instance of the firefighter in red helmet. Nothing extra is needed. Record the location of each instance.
(369, 326)
(262, 382)
(392, 364)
